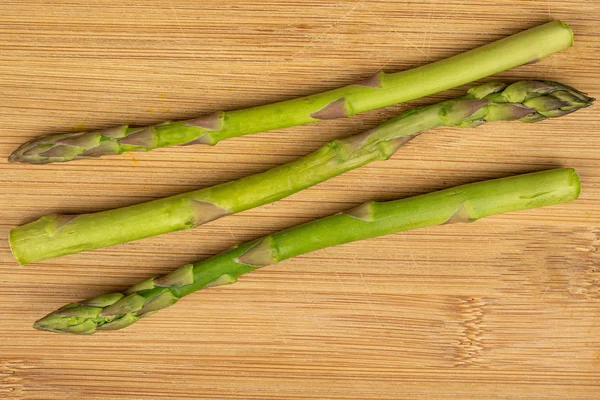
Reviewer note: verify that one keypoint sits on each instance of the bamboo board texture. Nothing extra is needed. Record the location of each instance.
(505, 308)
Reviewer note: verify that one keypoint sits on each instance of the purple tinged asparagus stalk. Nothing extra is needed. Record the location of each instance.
(381, 90)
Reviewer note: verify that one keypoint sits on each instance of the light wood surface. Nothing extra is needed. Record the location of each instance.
(505, 308)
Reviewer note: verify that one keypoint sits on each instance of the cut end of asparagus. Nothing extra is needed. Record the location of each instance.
(568, 28)
(12, 249)
(575, 183)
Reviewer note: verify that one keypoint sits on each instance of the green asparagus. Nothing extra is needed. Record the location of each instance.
(56, 235)
(460, 204)
(379, 91)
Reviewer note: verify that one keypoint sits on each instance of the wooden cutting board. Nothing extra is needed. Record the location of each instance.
(505, 308)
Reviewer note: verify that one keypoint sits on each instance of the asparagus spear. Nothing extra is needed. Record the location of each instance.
(460, 204)
(379, 91)
(56, 235)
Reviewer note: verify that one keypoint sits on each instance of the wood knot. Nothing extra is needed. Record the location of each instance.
(470, 342)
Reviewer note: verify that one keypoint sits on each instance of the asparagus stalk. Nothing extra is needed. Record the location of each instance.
(378, 91)
(56, 235)
(460, 204)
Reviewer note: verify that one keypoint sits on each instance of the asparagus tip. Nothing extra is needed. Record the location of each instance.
(13, 158)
